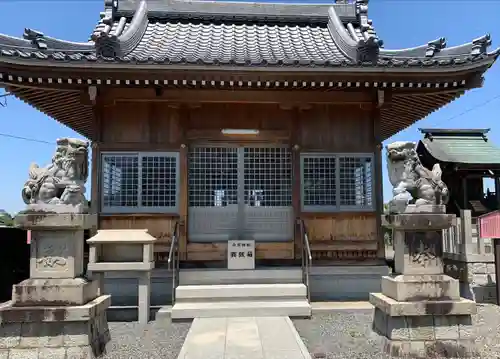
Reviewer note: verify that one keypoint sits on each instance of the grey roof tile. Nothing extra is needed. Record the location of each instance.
(176, 42)
(198, 39)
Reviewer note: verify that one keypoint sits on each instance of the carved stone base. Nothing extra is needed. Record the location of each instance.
(57, 332)
(54, 292)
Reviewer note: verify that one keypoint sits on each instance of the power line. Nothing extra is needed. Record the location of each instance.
(26, 139)
(473, 108)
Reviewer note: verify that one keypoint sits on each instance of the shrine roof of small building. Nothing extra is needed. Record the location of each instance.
(461, 146)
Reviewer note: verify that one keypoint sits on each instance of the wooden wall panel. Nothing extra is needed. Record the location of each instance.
(218, 251)
(160, 227)
(338, 236)
(336, 129)
(141, 124)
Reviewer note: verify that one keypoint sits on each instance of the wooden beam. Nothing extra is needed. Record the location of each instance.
(239, 96)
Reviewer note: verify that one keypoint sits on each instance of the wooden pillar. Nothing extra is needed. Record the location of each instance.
(295, 144)
(181, 116)
(464, 192)
(497, 193)
(95, 171)
(379, 195)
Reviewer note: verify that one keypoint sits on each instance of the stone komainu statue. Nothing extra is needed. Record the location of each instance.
(60, 186)
(411, 181)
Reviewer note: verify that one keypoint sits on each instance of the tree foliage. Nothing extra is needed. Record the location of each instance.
(6, 219)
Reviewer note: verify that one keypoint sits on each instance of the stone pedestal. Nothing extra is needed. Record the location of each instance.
(420, 312)
(57, 312)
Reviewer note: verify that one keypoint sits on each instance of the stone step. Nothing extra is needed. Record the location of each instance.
(225, 276)
(294, 308)
(220, 292)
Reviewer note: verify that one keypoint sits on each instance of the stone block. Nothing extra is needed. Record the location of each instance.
(52, 221)
(10, 314)
(421, 328)
(408, 288)
(430, 349)
(483, 279)
(439, 307)
(397, 328)
(418, 252)
(52, 353)
(10, 335)
(41, 335)
(78, 333)
(56, 253)
(4, 353)
(446, 327)
(83, 352)
(466, 329)
(23, 353)
(477, 268)
(380, 322)
(54, 292)
(419, 221)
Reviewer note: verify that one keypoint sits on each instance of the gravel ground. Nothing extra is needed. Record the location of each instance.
(339, 335)
(157, 340)
(348, 334)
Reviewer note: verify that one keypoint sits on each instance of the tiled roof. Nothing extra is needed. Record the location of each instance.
(236, 44)
(461, 146)
(252, 35)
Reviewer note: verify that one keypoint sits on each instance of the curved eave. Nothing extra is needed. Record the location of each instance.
(67, 107)
(405, 110)
(83, 62)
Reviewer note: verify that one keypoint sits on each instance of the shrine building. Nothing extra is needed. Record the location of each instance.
(213, 122)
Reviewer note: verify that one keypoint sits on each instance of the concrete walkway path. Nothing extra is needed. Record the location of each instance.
(243, 338)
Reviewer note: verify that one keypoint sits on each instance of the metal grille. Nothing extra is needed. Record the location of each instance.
(355, 182)
(120, 182)
(139, 182)
(159, 181)
(337, 182)
(268, 177)
(213, 176)
(319, 181)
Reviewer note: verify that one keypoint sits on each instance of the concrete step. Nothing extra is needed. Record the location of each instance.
(225, 276)
(294, 308)
(231, 292)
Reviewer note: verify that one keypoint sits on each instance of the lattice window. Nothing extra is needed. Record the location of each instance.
(213, 176)
(355, 182)
(140, 182)
(332, 182)
(268, 177)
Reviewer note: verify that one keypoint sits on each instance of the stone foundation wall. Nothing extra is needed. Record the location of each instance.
(57, 340)
(477, 279)
(327, 283)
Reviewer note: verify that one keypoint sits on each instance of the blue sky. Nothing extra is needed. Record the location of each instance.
(400, 23)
